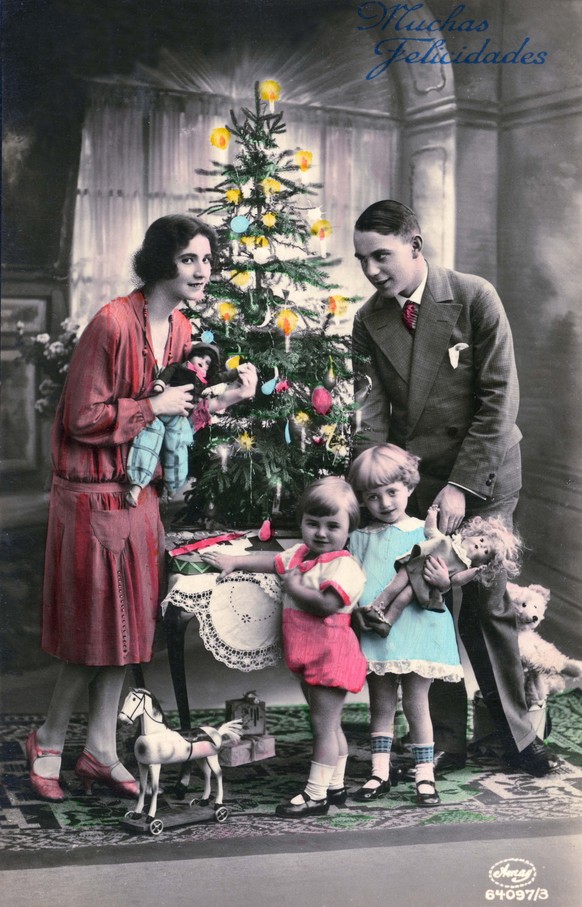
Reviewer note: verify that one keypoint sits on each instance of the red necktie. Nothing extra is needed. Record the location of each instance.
(409, 315)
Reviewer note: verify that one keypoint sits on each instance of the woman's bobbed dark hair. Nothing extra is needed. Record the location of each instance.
(164, 240)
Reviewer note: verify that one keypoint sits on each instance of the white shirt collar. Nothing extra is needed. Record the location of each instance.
(417, 295)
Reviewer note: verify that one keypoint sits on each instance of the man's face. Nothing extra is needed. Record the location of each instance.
(392, 264)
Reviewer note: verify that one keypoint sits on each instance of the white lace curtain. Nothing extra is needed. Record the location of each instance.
(140, 151)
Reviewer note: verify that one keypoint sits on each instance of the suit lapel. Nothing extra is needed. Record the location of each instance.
(437, 317)
(385, 326)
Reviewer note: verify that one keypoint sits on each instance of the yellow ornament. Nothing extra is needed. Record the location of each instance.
(232, 362)
(258, 242)
(269, 219)
(270, 91)
(233, 195)
(246, 441)
(337, 305)
(220, 137)
(239, 278)
(271, 186)
(303, 159)
(301, 418)
(227, 311)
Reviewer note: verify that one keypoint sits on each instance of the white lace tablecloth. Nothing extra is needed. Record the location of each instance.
(239, 615)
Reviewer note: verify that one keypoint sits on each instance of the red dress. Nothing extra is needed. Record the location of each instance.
(104, 561)
(324, 651)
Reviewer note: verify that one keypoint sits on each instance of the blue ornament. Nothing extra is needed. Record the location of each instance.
(207, 337)
(239, 224)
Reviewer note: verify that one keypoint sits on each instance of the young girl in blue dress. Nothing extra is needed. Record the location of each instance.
(422, 643)
(321, 585)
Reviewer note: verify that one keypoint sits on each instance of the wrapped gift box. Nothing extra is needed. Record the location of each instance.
(251, 711)
(250, 749)
(188, 564)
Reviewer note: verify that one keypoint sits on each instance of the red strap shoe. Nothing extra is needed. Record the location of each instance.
(46, 788)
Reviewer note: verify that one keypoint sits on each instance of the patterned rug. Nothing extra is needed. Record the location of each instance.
(34, 832)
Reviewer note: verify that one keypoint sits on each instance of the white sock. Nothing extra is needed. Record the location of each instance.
(337, 779)
(317, 783)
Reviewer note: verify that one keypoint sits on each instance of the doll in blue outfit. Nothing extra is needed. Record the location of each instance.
(422, 643)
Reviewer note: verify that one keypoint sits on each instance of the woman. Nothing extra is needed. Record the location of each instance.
(104, 560)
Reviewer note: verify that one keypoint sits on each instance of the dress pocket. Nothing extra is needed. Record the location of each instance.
(111, 529)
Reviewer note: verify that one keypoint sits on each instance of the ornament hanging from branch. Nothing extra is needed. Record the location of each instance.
(329, 379)
(321, 401)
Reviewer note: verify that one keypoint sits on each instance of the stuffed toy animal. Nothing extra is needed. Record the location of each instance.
(545, 667)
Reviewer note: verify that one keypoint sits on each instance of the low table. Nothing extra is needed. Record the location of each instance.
(239, 616)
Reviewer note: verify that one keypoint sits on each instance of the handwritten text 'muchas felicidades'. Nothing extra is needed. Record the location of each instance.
(432, 50)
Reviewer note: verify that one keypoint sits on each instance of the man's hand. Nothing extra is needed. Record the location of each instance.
(451, 503)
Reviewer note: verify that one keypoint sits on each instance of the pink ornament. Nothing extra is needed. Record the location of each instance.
(321, 400)
(266, 531)
(282, 386)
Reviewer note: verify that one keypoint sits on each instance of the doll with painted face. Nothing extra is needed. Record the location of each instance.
(168, 438)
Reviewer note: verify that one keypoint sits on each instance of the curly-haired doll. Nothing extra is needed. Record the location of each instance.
(478, 551)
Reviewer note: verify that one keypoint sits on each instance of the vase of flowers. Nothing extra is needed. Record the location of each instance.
(51, 355)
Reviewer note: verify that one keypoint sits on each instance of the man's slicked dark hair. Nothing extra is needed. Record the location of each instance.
(389, 217)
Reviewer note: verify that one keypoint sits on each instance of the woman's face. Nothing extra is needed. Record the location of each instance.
(194, 264)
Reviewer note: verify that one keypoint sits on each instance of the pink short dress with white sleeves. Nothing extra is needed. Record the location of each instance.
(324, 651)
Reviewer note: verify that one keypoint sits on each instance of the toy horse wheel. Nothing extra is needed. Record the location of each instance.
(131, 814)
(156, 827)
(221, 814)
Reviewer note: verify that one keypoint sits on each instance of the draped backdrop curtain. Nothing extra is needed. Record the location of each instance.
(141, 148)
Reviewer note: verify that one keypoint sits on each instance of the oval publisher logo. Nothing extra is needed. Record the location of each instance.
(512, 873)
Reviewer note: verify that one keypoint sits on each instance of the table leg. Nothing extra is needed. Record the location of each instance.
(176, 623)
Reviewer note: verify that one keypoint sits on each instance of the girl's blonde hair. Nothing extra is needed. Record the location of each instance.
(326, 496)
(505, 543)
(383, 465)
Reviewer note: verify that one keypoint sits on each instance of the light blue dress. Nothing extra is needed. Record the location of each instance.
(421, 641)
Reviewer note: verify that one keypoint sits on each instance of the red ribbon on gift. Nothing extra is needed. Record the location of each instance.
(206, 543)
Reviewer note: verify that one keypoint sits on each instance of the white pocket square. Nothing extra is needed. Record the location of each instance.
(454, 353)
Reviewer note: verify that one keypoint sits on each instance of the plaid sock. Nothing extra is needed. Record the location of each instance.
(423, 757)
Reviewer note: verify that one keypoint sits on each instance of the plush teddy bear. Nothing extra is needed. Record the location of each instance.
(544, 665)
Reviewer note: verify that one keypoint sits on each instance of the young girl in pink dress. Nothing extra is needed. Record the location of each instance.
(321, 585)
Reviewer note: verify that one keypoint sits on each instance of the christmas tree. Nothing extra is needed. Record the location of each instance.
(273, 305)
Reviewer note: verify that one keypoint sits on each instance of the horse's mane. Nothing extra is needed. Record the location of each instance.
(154, 700)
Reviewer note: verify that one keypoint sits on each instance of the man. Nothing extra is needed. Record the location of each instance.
(444, 387)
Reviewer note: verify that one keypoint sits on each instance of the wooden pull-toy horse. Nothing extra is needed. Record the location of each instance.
(159, 745)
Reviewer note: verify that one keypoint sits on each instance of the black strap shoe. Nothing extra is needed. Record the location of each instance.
(337, 797)
(309, 807)
(536, 759)
(363, 794)
(428, 797)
